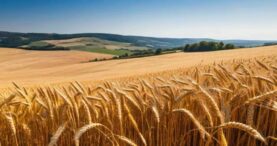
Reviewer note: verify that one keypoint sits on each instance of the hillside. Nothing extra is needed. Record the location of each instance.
(11, 39)
(22, 64)
(33, 67)
(88, 44)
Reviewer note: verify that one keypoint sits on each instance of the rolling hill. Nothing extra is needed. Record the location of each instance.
(37, 67)
(89, 44)
(13, 39)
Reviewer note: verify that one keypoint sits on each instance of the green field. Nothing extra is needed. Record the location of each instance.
(117, 52)
(39, 44)
(86, 44)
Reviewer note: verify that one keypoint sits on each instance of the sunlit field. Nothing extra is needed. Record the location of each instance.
(222, 103)
(28, 68)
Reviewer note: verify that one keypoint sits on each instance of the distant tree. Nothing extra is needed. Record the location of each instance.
(204, 46)
(270, 44)
(193, 47)
(221, 46)
(14, 41)
(124, 55)
(207, 46)
(158, 51)
(229, 46)
(186, 47)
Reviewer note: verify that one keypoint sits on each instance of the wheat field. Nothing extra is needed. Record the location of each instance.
(228, 103)
(29, 68)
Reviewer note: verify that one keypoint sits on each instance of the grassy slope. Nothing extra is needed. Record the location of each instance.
(15, 39)
(36, 44)
(39, 43)
(32, 69)
(101, 50)
(91, 45)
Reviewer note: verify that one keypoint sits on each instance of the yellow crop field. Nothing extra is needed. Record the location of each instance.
(221, 98)
(47, 67)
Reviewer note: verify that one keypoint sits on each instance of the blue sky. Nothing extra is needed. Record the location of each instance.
(221, 19)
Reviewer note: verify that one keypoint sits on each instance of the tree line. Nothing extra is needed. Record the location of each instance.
(206, 46)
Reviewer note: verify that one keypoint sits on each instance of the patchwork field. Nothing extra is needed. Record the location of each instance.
(94, 42)
(89, 44)
(34, 67)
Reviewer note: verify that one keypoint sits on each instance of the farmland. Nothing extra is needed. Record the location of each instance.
(138, 73)
(208, 98)
(88, 44)
(34, 67)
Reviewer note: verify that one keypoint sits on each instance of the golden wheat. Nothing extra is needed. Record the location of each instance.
(213, 100)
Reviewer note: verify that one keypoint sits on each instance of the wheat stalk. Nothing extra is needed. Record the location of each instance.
(194, 120)
(126, 140)
(58, 133)
(84, 129)
(262, 97)
(253, 132)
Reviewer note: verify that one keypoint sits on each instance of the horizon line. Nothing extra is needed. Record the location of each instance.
(132, 35)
